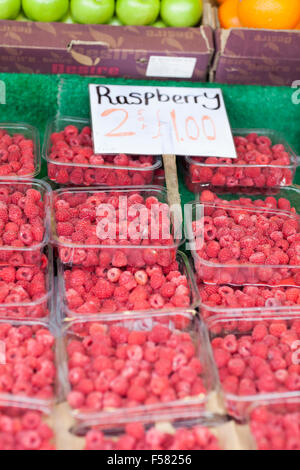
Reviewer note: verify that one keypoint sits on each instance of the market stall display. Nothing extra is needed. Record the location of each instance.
(130, 356)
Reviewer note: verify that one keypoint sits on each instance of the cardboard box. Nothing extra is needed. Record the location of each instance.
(107, 51)
(254, 56)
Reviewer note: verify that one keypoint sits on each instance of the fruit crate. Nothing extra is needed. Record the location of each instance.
(107, 51)
(254, 56)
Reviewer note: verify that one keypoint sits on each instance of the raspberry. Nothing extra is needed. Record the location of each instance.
(236, 367)
(259, 332)
(119, 334)
(137, 337)
(64, 229)
(212, 249)
(103, 289)
(260, 350)
(221, 357)
(277, 329)
(157, 280)
(141, 277)
(119, 259)
(230, 344)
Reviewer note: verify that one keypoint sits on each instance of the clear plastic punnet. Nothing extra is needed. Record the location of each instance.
(258, 357)
(68, 150)
(28, 200)
(265, 160)
(243, 245)
(120, 226)
(224, 300)
(282, 199)
(123, 359)
(28, 365)
(25, 429)
(141, 297)
(19, 151)
(276, 425)
(166, 431)
(28, 291)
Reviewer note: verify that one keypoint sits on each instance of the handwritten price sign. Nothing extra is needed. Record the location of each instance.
(160, 120)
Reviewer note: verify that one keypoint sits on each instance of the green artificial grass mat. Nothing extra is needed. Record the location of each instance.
(35, 98)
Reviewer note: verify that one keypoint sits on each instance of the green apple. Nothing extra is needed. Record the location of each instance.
(159, 24)
(45, 10)
(115, 21)
(137, 12)
(181, 13)
(9, 9)
(92, 11)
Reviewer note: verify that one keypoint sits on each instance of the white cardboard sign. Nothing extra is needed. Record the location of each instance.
(160, 120)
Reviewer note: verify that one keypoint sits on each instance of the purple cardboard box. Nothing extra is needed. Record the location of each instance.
(107, 51)
(255, 56)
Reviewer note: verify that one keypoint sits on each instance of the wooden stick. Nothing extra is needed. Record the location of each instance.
(174, 199)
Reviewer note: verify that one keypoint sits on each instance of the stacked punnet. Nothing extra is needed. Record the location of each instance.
(244, 236)
(71, 160)
(27, 343)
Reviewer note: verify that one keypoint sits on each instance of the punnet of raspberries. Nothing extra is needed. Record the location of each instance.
(16, 155)
(114, 366)
(111, 289)
(23, 291)
(256, 355)
(245, 245)
(260, 164)
(268, 202)
(72, 161)
(113, 229)
(22, 224)
(156, 437)
(29, 367)
(24, 430)
(219, 300)
(273, 430)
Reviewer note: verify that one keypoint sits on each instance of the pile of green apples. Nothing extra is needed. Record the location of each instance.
(159, 13)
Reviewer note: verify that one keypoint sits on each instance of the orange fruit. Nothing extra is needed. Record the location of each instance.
(228, 16)
(297, 26)
(269, 14)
